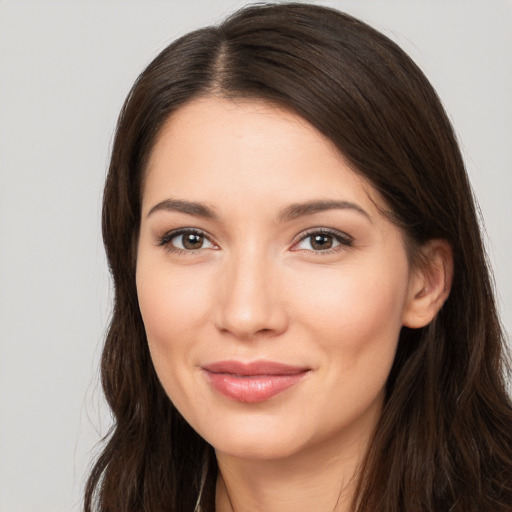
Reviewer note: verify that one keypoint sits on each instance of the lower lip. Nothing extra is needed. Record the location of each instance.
(252, 388)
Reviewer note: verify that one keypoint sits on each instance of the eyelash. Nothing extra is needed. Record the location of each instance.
(165, 240)
(344, 240)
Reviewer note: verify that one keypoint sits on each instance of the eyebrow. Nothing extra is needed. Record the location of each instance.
(296, 210)
(288, 214)
(189, 207)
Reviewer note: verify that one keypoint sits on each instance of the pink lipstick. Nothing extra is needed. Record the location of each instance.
(252, 382)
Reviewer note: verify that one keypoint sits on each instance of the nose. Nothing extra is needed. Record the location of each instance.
(251, 298)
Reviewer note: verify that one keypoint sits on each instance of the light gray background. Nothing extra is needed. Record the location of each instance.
(65, 68)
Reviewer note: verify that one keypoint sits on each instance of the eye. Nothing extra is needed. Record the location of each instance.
(186, 240)
(323, 240)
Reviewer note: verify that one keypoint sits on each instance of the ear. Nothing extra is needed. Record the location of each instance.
(429, 285)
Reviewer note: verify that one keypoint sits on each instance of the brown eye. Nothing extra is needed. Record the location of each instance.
(185, 240)
(320, 241)
(192, 241)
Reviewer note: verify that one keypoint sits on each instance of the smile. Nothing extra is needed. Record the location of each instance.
(252, 382)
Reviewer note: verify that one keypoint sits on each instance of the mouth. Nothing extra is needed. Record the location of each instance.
(253, 382)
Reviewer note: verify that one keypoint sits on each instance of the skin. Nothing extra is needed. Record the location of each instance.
(258, 289)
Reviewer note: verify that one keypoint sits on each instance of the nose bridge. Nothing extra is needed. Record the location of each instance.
(251, 300)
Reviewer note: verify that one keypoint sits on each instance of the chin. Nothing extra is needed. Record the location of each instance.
(255, 436)
(263, 447)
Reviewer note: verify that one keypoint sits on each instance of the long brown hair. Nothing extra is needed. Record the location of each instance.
(444, 441)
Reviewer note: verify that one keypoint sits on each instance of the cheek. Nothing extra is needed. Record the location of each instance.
(172, 309)
(354, 319)
(170, 302)
(353, 299)
(355, 316)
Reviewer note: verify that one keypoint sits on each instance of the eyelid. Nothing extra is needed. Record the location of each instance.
(165, 240)
(344, 239)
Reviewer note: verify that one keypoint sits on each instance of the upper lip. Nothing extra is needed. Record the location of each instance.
(253, 368)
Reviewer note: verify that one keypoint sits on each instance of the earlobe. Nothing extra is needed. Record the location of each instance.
(429, 285)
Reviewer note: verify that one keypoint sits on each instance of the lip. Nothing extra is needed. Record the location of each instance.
(252, 382)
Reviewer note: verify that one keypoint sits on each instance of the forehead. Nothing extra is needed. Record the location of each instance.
(222, 124)
(214, 147)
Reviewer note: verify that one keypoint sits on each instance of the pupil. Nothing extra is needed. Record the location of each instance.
(192, 241)
(322, 242)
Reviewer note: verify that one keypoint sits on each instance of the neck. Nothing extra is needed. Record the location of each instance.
(321, 478)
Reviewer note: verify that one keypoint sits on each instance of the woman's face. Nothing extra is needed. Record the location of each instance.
(271, 287)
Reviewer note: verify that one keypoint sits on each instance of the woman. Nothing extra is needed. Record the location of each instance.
(303, 313)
